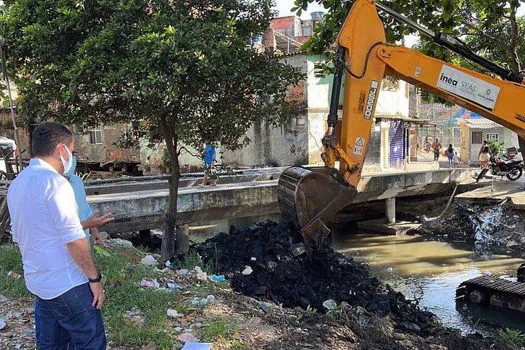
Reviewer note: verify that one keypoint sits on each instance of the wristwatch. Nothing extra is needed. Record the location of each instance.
(95, 280)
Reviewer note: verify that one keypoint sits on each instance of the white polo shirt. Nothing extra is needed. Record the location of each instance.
(44, 217)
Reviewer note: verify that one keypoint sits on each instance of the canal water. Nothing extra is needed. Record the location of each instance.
(430, 272)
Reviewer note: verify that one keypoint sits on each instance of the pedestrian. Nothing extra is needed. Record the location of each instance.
(484, 155)
(456, 159)
(58, 266)
(436, 147)
(450, 155)
(84, 209)
(209, 155)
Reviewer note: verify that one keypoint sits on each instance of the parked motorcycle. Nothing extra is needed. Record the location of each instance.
(509, 166)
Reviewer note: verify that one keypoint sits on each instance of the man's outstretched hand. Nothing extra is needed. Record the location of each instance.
(95, 221)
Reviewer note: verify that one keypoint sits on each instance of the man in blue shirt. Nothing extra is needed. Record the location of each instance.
(84, 209)
(209, 168)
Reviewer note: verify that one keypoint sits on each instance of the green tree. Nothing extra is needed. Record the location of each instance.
(491, 27)
(181, 67)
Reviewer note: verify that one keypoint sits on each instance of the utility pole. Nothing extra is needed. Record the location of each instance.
(3, 53)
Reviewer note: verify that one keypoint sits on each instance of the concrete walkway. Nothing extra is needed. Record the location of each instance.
(497, 191)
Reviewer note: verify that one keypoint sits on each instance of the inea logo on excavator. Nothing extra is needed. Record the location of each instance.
(372, 95)
(448, 80)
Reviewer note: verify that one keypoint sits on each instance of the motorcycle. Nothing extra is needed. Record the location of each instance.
(509, 167)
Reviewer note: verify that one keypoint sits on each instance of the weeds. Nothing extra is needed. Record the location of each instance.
(10, 260)
(511, 336)
(219, 329)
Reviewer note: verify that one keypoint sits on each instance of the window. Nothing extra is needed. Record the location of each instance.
(95, 137)
(492, 137)
(477, 137)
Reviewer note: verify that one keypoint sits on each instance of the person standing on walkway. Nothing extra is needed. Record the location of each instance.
(210, 171)
(58, 266)
(84, 209)
(484, 155)
(436, 147)
(450, 154)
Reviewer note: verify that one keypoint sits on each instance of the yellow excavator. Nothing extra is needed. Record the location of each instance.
(310, 199)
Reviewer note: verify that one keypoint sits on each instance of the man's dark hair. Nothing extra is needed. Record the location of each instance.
(47, 136)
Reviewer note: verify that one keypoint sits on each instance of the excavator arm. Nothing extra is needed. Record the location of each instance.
(310, 199)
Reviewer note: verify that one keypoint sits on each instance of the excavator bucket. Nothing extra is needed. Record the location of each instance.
(310, 200)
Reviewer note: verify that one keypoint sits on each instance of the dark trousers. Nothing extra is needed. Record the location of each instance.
(69, 322)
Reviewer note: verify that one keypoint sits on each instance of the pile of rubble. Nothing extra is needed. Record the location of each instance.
(488, 227)
(268, 261)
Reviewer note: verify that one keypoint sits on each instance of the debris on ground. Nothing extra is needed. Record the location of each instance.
(174, 313)
(325, 281)
(149, 260)
(197, 346)
(490, 227)
(187, 338)
(134, 318)
(202, 301)
(14, 275)
(119, 242)
(219, 278)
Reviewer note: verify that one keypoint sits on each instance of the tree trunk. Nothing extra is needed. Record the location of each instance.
(514, 59)
(167, 250)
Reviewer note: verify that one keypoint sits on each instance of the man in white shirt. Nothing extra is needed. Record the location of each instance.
(58, 266)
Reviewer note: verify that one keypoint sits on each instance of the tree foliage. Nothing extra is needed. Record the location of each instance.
(490, 27)
(182, 68)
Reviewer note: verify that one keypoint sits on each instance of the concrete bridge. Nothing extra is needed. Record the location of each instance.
(141, 205)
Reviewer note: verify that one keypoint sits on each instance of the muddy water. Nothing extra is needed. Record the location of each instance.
(430, 272)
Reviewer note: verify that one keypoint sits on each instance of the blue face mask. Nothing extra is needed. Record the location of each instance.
(73, 167)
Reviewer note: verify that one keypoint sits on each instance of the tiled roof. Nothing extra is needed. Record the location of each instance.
(480, 123)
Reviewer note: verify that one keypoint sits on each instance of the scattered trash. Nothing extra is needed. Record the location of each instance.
(247, 271)
(119, 242)
(173, 286)
(149, 283)
(298, 249)
(2, 323)
(219, 278)
(148, 260)
(3, 299)
(157, 233)
(174, 313)
(201, 275)
(196, 301)
(168, 264)
(13, 275)
(188, 338)
(29, 331)
(104, 235)
(178, 329)
(134, 318)
(182, 272)
(330, 304)
(264, 307)
(197, 346)
(253, 258)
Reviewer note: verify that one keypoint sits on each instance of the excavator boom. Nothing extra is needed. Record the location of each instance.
(310, 199)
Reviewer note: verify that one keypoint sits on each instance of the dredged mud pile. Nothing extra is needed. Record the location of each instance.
(268, 261)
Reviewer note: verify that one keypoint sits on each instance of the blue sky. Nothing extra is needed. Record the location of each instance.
(284, 6)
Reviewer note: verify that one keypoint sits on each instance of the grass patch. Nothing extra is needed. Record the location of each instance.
(511, 336)
(123, 295)
(220, 329)
(10, 260)
(122, 272)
